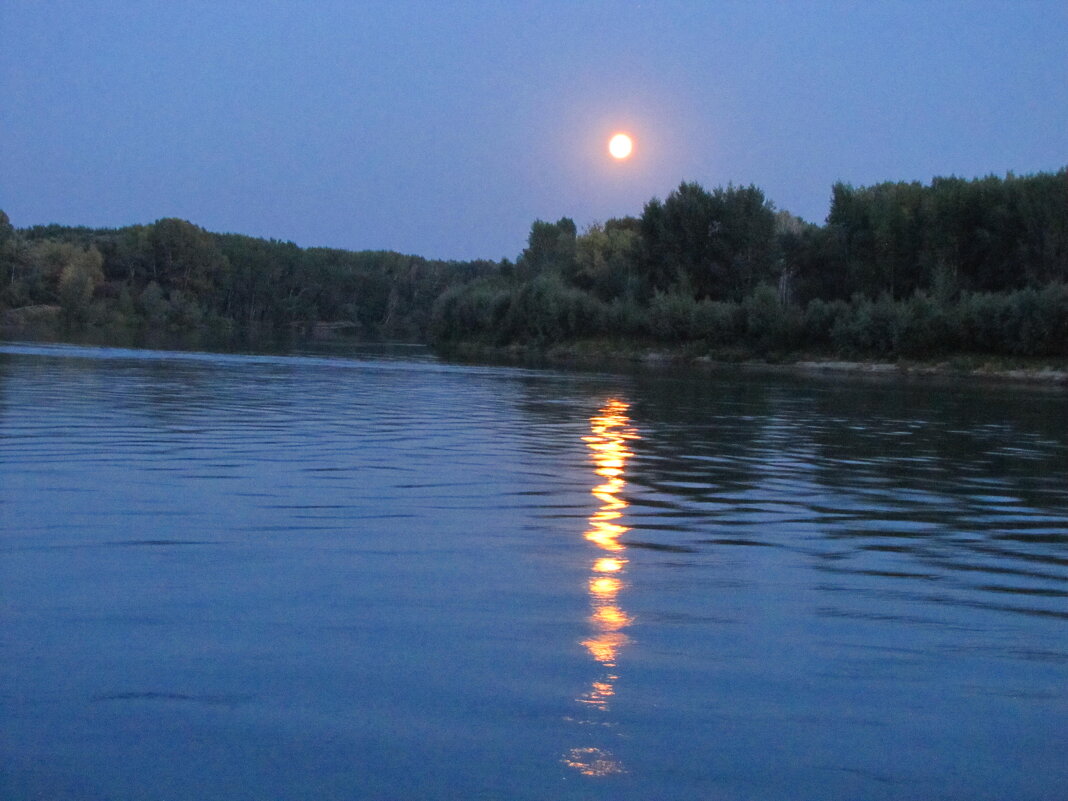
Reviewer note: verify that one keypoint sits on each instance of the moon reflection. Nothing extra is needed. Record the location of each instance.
(610, 433)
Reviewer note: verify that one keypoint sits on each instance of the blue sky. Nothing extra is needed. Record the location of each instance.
(445, 128)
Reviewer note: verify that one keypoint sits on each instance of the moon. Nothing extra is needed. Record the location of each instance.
(620, 146)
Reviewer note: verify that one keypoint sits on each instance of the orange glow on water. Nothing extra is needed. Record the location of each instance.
(600, 692)
(605, 587)
(592, 762)
(610, 618)
(610, 433)
(607, 564)
(605, 647)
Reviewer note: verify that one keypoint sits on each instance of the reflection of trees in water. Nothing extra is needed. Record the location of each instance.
(947, 435)
(922, 499)
(697, 456)
(916, 492)
(958, 494)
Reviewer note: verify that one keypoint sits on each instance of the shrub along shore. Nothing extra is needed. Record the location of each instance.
(958, 275)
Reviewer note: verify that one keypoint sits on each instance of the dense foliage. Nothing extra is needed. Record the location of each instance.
(174, 276)
(899, 269)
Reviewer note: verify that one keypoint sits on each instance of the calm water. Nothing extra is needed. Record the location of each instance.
(236, 577)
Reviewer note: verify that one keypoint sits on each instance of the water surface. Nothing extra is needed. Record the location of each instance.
(384, 577)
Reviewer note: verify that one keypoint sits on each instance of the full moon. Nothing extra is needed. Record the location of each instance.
(620, 146)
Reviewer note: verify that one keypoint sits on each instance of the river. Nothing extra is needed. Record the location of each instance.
(375, 575)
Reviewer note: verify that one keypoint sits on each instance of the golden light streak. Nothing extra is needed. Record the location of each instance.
(610, 618)
(606, 647)
(592, 762)
(605, 587)
(610, 432)
(600, 692)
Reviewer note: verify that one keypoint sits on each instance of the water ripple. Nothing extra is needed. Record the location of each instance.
(409, 550)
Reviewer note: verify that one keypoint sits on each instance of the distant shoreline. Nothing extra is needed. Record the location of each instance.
(1042, 372)
(598, 354)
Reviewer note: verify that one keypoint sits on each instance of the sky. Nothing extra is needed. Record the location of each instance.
(444, 129)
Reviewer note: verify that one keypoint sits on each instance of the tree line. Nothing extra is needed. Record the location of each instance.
(898, 269)
(174, 277)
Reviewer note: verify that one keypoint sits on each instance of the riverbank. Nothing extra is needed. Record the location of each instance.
(598, 354)
(1048, 372)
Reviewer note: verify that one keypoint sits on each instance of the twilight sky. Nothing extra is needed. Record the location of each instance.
(445, 128)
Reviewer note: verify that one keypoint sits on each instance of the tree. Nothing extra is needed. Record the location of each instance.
(550, 246)
(7, 249)
(606, 260)
(184, 256)
(78, 279)
(719, 244)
